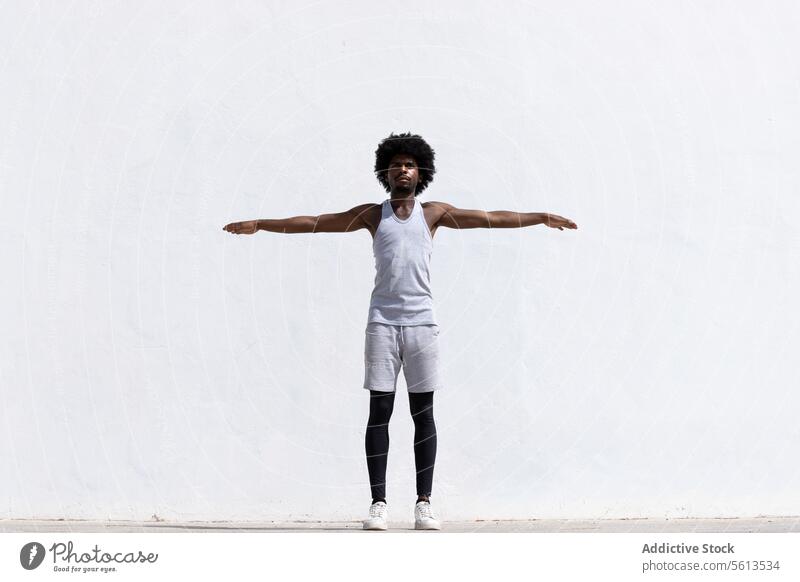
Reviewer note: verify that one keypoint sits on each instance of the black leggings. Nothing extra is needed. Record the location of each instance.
(381, 405)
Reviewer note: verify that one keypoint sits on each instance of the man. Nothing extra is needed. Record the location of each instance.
(401, 327)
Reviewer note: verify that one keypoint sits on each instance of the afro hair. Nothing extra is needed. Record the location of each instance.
(409, 144)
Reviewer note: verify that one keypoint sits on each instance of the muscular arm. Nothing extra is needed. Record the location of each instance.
(453, 217)
(348, 221)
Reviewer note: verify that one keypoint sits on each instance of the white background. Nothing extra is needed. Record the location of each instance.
(153, 365)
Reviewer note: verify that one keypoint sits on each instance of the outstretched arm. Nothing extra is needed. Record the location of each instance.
(453, 217)
(348, 221)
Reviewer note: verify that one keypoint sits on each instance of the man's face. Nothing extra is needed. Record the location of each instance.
(403, 174)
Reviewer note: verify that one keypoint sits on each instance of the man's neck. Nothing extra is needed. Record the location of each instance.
(402, 196)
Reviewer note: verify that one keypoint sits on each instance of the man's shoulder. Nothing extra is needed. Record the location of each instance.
(366, 207)
(369, 212)
(437, 208)
(437, 204)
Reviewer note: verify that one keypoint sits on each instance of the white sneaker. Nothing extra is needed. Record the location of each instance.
(377, 517)
(424, 518)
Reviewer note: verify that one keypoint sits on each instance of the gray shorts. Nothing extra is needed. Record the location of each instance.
(415, 347)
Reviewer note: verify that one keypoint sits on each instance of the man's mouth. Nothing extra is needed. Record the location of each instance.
(403, 179)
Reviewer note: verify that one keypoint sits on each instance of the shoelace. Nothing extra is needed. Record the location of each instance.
(425, 510)
(377, 510)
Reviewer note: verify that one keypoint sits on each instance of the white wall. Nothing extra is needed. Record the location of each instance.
(152, 364)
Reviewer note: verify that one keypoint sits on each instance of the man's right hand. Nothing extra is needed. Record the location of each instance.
(246, 227)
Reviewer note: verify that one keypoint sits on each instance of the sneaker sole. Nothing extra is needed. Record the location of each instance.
(427, 527)
(375, 527)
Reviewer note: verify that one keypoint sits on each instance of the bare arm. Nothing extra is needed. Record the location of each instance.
(453, 217)
(348, 221)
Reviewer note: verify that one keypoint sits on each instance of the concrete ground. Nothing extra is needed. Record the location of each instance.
(736, 525)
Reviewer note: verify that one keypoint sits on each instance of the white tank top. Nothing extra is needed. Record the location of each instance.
(402, 249)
